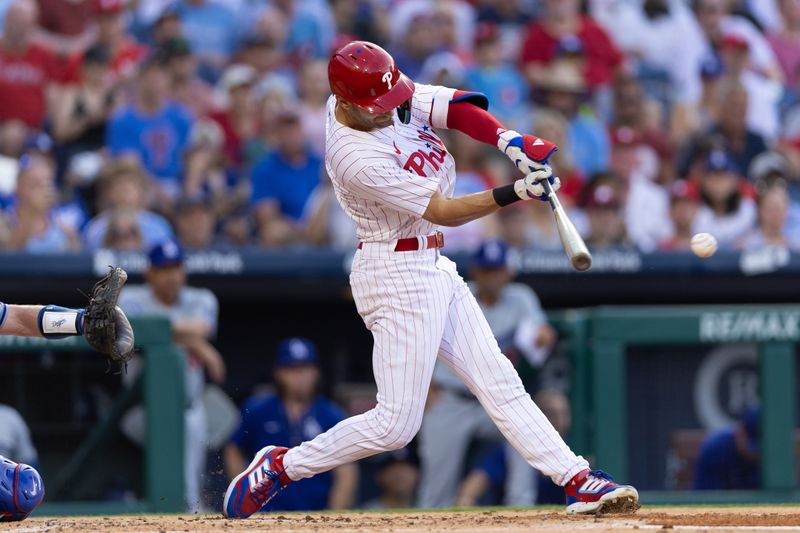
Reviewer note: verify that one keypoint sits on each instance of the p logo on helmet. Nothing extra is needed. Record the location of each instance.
(388, 79)
(367, 76)
(21, 490)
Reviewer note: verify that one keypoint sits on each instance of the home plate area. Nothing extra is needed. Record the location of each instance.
(733, 519)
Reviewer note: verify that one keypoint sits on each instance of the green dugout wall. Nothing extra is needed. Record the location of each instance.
(598, 342)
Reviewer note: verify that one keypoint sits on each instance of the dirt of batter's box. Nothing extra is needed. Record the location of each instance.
(476, 521)
(721, 519)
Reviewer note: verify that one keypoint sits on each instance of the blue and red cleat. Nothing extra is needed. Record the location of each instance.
(21, 490)
(594, 491)
(258, 484)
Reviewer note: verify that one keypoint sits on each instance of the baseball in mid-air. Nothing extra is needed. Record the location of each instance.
(704, 244)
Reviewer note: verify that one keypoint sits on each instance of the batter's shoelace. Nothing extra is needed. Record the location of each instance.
(266, 489)
(601, 474)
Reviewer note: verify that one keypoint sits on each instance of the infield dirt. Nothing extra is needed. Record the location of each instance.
(709, 519)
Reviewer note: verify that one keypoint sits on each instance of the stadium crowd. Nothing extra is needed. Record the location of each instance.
(123, 124)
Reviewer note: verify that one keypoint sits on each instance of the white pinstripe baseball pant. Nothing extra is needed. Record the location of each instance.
(417, 307)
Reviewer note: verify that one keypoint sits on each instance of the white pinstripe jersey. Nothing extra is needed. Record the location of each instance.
(385, 178)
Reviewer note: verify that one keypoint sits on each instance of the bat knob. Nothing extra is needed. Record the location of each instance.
(582, 262)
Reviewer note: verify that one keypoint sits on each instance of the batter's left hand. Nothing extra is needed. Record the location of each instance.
(531, 185)
(528, 152)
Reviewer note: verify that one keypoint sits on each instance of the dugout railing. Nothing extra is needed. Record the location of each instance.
(597, 342)
(160, 388)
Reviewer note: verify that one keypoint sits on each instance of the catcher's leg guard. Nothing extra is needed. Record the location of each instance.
(58, 322)
(21, 490)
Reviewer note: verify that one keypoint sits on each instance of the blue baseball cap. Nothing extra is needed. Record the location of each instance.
(492, 253)
(166, 253)
(296, 351)
(720, 161)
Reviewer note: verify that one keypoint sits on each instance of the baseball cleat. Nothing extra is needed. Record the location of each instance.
(594, 491)
(258, 484)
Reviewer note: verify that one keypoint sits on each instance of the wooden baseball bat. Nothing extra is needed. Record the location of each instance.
(573, 244)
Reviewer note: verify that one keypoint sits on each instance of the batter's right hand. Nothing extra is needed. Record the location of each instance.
(528, 152)
(531, 187)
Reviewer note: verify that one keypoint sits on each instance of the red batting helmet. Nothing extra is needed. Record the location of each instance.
(366, 75)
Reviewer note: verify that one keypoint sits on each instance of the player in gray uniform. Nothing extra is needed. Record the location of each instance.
(15, 437)
(193, 313)
(455, 418)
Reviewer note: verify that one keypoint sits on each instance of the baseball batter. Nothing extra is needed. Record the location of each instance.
(394, 177)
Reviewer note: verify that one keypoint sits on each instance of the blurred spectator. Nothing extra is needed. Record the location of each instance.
(195, 222)
(552, 125)
(773, 212)
(396, 476)
(15, 439)
(82, 111)
(419, 29)
(31, 221)
(730, 458)
(274, 94)
(209, 174)
(634, 110)
(314, 92)
(283, 182)
(416, 43)
(186, 87)
(561, 24)
(684, 204)
(785, 42)
(494, 470)
(776, 168)
(294, 415)
(236, 113)
(328, 224)
(563, 90)
(604, 212)
(123, 185)
(645, 204)
(443, 68)
(65, 25)
(741, 142)
(261, 53)
(646, 30)
(211, 30)
(69, 210)
(125, 53)
(454, 418)
(122, 232)
(763, 93)
(28, 71)
(359, 19)
(727, 212)
(500, 81)
(690, 118)
(529, 226)
(309, 29)
(153, 129)
(717, 22)
(511, 16)
(167, 26)
(193, 313)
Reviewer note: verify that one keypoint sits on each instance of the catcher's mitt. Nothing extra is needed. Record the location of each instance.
(105, 326)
